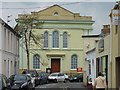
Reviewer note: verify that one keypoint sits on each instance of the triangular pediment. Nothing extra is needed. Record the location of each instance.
(55, 8)
(54, 12)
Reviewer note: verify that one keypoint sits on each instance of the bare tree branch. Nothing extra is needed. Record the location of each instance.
(25, 25)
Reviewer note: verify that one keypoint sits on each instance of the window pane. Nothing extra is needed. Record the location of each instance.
(65, 40)
(36, 62)
(55, 39)
(74, 62)
(46, 39)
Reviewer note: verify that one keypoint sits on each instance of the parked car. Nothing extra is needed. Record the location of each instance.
(21, 82)
(11, 79)
(43, 77)
(32, 80)
(4, 83)
(34, 75)
(78, 77)
(56, 77)
(66, 77)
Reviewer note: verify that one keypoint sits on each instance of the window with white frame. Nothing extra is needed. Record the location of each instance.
(55, 39)
(74, 60)
(45, 39)
(65, 40)
(36, 61)
(5, 39)
(8, 40)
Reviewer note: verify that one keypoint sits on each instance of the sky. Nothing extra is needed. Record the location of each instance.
(98, 10)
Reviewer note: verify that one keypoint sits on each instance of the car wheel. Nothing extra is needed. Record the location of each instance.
(33, 84)
(47, 81)
(64, 81)
(79, 80)
(56, 81)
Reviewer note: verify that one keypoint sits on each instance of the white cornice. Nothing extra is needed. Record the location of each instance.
(71, 49)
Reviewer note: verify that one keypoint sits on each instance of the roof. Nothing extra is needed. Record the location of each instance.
(116, 6)
(9, 28)
(91, 50)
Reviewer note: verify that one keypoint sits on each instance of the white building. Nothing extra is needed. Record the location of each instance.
(90, 42)
(97, 59)
(9, 49)
(91, 64)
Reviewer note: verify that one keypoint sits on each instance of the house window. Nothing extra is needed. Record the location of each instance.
(74, 62)
(8, 40)
(36, 61)
(116, 29)
(5, 39)
(46, 39)
(55, 39)
(65, 40)
(89, 68)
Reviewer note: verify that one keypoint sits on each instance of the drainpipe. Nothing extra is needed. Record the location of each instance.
(110, 61)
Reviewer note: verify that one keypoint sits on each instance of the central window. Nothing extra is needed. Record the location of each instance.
(65, 40)
(55, 39)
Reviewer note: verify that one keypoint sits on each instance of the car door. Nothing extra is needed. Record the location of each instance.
(61, 77)
(30, 85)
(6, 84)
(11, 79)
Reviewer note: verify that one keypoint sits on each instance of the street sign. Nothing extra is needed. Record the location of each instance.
(115, 17)
(79, 69)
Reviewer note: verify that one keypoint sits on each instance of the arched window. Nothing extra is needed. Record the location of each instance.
(36, 61)
(65, 40)
(55, 39)
(46, 39)
(74, 60)
(55, 13)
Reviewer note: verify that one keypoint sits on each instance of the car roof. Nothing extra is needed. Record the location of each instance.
(57, 73)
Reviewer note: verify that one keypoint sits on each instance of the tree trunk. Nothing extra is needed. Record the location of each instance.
(26, 44)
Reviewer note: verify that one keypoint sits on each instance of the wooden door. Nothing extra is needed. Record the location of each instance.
(118, 73)
(55, 65)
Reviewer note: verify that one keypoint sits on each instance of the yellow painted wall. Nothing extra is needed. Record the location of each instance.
(114, 55)
(75, 46)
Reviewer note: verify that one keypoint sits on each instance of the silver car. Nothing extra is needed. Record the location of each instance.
(57, 77)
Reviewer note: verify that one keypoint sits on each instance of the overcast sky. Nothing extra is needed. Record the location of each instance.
(98, 10)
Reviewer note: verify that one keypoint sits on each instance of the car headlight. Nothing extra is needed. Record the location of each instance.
(75, 77)
(15, 86)
(24, 84)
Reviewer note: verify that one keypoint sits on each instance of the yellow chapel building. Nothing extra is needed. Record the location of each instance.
(61, 45)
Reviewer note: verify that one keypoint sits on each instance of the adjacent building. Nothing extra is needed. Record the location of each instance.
(97, 54)
(115, 46)
(62, 44)
(103, 54)
(9, 49)
(89, 69)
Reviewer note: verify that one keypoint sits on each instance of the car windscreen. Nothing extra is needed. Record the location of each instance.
(54, 74)
(33, 73)
(20, 77)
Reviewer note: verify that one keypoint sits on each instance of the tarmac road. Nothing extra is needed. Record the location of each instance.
(63, 86)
